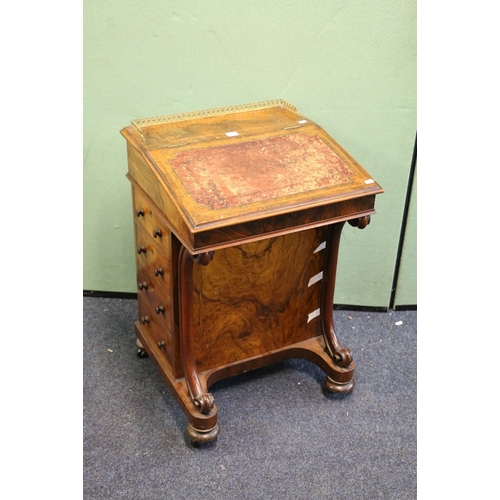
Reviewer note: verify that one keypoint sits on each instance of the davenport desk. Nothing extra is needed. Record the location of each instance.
(238, 213)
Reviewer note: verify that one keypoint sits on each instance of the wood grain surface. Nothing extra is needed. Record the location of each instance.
(256, 298)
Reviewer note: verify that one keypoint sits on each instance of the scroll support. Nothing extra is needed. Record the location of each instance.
(201, 398)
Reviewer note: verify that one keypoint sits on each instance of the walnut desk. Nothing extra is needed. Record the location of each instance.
(238, 213)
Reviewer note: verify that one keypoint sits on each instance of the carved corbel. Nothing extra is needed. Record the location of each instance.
(360, 222)
(203, 258)
(340, 356)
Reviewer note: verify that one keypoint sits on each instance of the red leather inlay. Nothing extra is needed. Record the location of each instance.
(246, 172)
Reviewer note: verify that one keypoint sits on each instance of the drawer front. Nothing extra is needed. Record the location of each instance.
(152, 258)
(155, 327)
(159, 300)
(147, 217)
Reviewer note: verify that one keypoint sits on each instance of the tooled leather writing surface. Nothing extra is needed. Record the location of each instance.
(245, 172)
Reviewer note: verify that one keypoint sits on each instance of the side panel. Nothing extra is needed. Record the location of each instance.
(258, 297)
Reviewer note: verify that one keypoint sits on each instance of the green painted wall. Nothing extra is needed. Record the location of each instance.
(348, 65)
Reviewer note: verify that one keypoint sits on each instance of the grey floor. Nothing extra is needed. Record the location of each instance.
(282, 436)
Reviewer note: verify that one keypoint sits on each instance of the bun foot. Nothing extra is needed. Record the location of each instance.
(201, 436)
(141, 352)
(341, 387)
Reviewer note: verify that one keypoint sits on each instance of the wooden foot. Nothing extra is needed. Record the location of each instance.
(141, 352)
(199, 436)
(340, 387)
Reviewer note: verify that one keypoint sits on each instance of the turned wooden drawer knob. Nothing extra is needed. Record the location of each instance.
(145, 319)
(141, 250)
(140, 212)
(157, 232)
(143, 286)
(160, 309)
(158, 271)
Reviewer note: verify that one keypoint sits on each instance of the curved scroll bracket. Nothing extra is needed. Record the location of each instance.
(361, 222)
(340, 356)
(202, 400)
(203, 258)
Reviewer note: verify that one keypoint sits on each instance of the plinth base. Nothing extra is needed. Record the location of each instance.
(203, 428)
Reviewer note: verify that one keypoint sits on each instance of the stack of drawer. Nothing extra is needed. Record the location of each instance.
(154, 274)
